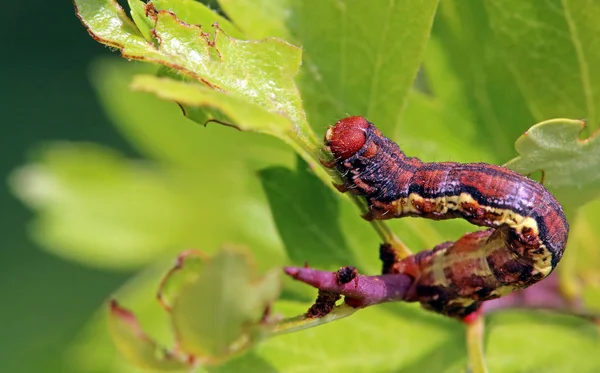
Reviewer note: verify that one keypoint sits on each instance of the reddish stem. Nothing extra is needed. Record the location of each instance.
(361, 291)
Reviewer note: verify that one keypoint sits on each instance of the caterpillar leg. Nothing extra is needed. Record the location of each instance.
(340, 187)
(389, 258)
(327, 164)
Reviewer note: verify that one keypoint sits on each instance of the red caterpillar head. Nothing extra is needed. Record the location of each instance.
(346, 137)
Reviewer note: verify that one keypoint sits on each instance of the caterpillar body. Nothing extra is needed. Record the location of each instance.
(527, 227)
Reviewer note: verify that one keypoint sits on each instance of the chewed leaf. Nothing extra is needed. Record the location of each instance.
(195, 13)
(107, 23)
(261, 72)
(132, 342)
(250, 82)
(571, 166)
(220, 313)
(187, 269)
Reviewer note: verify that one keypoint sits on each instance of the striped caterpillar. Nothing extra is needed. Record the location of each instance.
(527, 229)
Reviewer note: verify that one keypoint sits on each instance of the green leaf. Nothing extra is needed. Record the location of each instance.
(579, 267)
(386, 338)
(258, 71)
(219, 314)
(360, 58)
(132, 342)
(245, 115)
(440, 125)
(306, 214)
(440, 141)
(474, 80)
(187, 269)
(93, 350)
(108, 24)
(99, 208)
(189, 11)
(138, 14)
(509, 346)
(158, 130)
(252, 74)
(258, 19)
(571, 166)
(552, 49)
(498, 86)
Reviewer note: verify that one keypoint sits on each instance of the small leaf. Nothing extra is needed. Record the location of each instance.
(187, 269)
(220, 313)
(132, 342)
(571, 166)
(306, 214)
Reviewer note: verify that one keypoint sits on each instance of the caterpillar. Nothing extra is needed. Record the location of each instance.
(526, 227)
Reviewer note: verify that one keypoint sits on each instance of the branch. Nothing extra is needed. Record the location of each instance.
(359, 291)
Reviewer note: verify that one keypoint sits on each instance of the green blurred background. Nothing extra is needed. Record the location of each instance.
(45, 96)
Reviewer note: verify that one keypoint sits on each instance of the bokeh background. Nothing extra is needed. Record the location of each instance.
(45, 96)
